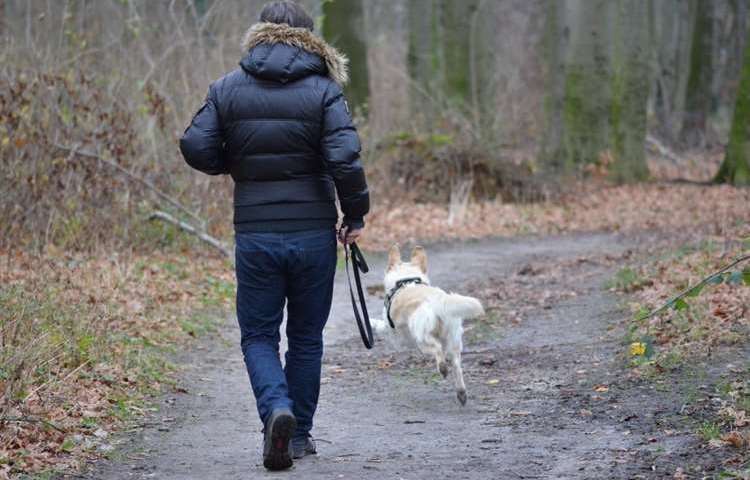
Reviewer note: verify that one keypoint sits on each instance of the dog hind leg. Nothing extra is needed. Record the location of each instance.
(459, 375)
(442, 364)
(423, 326)
(431, 345)
(454, 348)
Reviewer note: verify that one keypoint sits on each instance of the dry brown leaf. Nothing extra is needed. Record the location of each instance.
(734, 438)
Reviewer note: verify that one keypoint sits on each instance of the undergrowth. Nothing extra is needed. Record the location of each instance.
(687, 305)
(85, 341)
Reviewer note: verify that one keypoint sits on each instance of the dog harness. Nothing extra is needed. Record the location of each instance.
(399, 285)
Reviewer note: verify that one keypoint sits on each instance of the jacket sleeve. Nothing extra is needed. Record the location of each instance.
(202, 144)
(340, 146)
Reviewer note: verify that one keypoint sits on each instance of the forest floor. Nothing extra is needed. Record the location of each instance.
(552, 390)
(126, 364)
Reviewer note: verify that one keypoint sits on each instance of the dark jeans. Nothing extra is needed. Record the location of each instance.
(273, 267)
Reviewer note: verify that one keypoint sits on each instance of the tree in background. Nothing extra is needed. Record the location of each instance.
(200, 7)
(553, 46)
(584, 107)
(735, 168)
(457, 18)
(672, 23)
(630, 81)
(386, 25)
(450, 59)
(698, 102)
(343, 26)
(596, 107)
(424, 56)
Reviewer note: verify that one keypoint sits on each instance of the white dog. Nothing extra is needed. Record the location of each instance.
(426, 314)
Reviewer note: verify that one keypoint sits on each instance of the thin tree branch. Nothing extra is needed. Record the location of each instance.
(662, 149)
(45, 384)
(698, 285)
(161, 194)
(32, 420)
(219, 245)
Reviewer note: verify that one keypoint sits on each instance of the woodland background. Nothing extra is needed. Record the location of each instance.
(455, 99)
(478, 117)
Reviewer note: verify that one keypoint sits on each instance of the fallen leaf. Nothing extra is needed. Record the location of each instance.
(734, 438)
(716, 443)
(679, 474)
(741, 419)
(384, 364)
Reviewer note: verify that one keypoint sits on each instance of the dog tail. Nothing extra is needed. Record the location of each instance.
(459, 306)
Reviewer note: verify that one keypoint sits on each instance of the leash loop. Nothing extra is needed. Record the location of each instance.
(354, 254)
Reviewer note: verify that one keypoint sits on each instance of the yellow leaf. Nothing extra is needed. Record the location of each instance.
(637, 348)
(6, 141)
(494, 381)
(601, 388)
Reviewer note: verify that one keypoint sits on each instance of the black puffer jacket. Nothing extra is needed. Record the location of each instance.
(281, 127)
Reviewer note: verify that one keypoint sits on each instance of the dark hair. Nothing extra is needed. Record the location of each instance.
(287, 12)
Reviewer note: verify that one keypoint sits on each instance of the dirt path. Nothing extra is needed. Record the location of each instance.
(534, 408)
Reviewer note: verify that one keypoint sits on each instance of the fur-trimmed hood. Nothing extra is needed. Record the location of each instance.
(336, 63)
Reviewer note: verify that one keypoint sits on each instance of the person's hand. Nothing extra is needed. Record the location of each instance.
(347, 236)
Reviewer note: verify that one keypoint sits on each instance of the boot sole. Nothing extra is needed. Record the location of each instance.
(281, 429)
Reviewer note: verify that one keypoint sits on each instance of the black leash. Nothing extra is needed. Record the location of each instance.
(359, 265)
(389, 296)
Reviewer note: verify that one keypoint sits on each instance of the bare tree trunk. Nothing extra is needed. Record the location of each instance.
(728, 44)
(482, 67)
(387, 36)
(450, 57)
(630, 79)
(554, 45)
(201, 6)
(735, 168)
(698, 95)
(585, 108)
(425, 57)
(456, 19)
(673, 22)
(2, 18)
(344, 27)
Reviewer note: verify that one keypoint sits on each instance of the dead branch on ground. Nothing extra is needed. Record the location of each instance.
(663, 150)
(218, 244)
(31, 420)
(75, 151)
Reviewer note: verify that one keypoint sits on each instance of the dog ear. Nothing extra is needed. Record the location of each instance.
(394, 257)
(419, 258)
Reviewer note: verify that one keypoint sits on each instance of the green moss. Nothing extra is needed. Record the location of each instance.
(584, 117)
(735, 168)
(457, 47)
(709, 431)
(630, 78)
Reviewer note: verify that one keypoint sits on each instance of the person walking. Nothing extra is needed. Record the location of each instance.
(280, 126)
